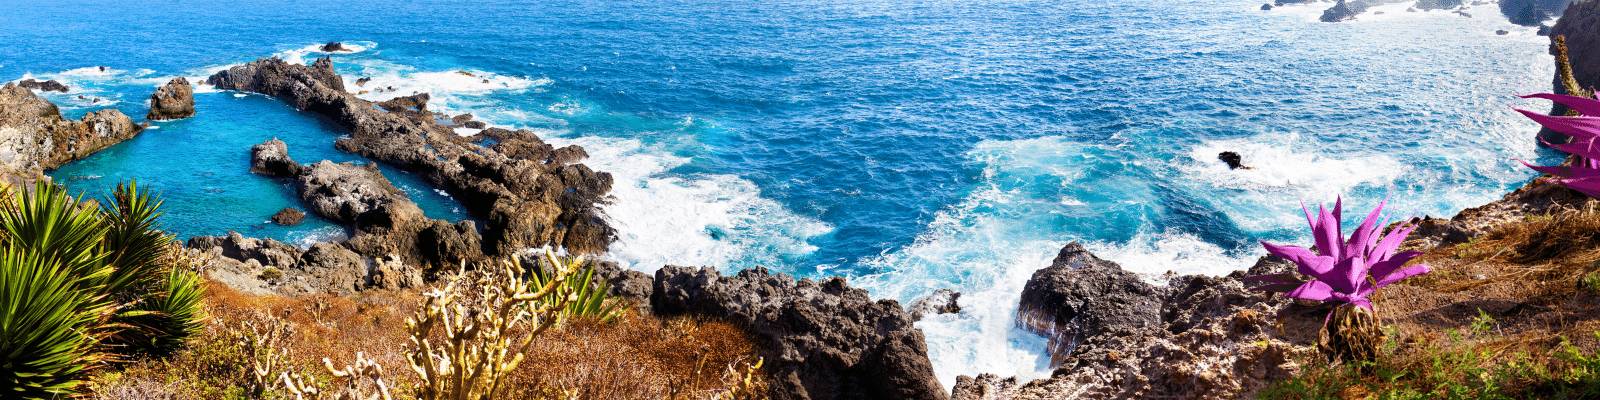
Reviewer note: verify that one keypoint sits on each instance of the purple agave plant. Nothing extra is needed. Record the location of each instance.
(1584, 175)
(1343, 270)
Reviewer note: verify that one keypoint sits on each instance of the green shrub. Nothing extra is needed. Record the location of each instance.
(83, 285)
(270, 273)
(592, 297)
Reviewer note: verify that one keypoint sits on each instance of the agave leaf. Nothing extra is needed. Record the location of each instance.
(1366, 235)
(1285, 277)
(1403, 273)
(1579, 128)
(1326, 232)
(1313, 290)
(1278, 287)
(1582, 105)
(1586, 186)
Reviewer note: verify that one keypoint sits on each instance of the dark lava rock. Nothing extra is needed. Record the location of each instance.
(527, 193)
(942, 301)
(1502, 32)
(820, 340)
(1079, 296)
(172, 101)
(1430, 5)
(461, 119)
(346, 193)
(384, 221)
(475, 124)
(363, 81)
(448, 244)
(1198, 337)
(37, 138)
(48, 86)
(1532, 13)
(288, 217)
(271, 158)
(1266, 7)
(340, 271)
(1234, 160)
(333, 47)
(1544, 30)
(1344, 11)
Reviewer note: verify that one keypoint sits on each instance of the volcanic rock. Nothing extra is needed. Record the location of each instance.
(1430, 5)
(340, 270)
(820, 340)
(1234, 160)
(288, 217)
(461, 119)
(347, 193)
(34, 137)
(173, 101)
(942, 301)
(266, 252)
(271, 158)
(363, 81)
(475, 124)
(48, 86)
(528, 193)
(1344, 11)
(333, 47)
(325, 268)
(1079, 296)
(1203, 338)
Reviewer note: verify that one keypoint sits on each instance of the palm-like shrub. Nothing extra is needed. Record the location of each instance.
(1583, 174)
(1344, 271)
(84, 284)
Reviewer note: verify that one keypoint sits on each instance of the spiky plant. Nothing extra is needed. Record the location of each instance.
(1343, 271)
(82, 284)
(593, 299)
(1582, 175)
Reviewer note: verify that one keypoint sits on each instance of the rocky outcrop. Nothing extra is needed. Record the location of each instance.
(1580, 25)
(527, 193)
(242, 263)
(1430, 5)
(333, 47)
(383, 219)
(34, 137)
(1538, 197)
(942, 301)
(288, 216)
(1344, 11)
(1079, 296)
(271, 158)
(820, 340)
(1531, 13)
(172, 101)
(1198, 337)
(47, 86)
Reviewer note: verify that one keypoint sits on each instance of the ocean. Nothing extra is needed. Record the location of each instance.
(908, 146)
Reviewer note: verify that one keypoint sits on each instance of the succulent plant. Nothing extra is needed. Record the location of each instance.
(1343, 270)
(1584, 174)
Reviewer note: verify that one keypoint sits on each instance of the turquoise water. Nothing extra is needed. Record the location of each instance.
(907, 146)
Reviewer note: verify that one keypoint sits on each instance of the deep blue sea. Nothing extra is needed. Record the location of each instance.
(909, 146)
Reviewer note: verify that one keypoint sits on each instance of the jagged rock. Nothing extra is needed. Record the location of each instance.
(34, 137)
(393, 274)
(288, 217)
(48, 86)
(1430, 5)
(337, 269)
(1209, 338)
(1234, 160)
(266, 252)
(172, 101)
(446, 244)
(1531, 13)
(475, 124)
(271, 158)
(1344, 11)
(333, 47)
(1266, 7)
(1079, 296)
(530, 197)
(1537, 197)
(942, 301)
(363, 81)
(820, 340)
(354, 195)
(416, 102)
(461, 119)
(1544, 30)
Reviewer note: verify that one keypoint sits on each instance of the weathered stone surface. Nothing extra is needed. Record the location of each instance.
(527, 193)
(346, 193)
(264, 251)
(340, 270)
(394, 274)
(172, 101)
(1210, 338)
(445, 244)
(48, 86)
(271, 158)
(34, 137)
(942, 301)
(1580, 25)
(821, 340)
(1079, 296)
(288, 216)
(333, 47)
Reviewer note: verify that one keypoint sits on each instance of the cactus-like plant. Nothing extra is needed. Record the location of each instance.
(1345, 271)
(593, 299)
(490, 317)
(1582, 175)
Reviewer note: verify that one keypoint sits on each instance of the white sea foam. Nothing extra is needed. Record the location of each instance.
(701, 219)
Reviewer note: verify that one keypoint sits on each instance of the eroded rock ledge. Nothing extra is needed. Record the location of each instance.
(528, 193)
(174, 100)
(34, 137)
(821, 340)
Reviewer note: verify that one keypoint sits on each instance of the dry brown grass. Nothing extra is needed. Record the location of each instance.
(642, 357)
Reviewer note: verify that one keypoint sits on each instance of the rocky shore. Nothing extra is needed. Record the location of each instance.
(35, 138)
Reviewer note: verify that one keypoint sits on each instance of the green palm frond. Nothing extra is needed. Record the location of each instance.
(50, 325)
(593, 299)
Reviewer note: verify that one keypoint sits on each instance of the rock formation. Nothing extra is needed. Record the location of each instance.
(173, 101)
(1344, 11)
(34, 137)
(333, 47)
(48, 86)
(1198, 337)
(942, 301)
(288, 217)
(820, 340)
(324, 268)
(1531, 13)
(528, 193)
(1430, 5)
(271, 158)
(1234, 160)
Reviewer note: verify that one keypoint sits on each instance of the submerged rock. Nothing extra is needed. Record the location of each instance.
(820, 340)
(47, 86)
(527, 193)
(34, 137)
(942, 301)
(333, 47)
(172, 101)
(1234, 160)
(1266, 7)
(288, 217)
